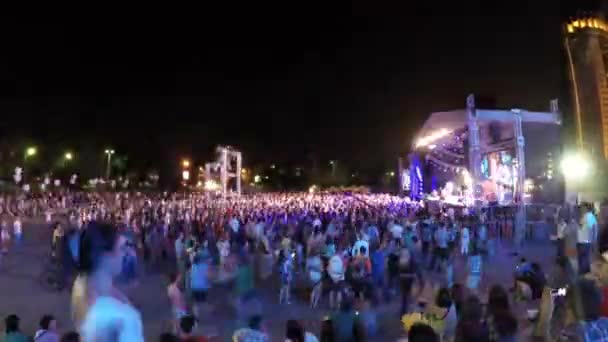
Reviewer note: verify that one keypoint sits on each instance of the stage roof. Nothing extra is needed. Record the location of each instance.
(441, 124)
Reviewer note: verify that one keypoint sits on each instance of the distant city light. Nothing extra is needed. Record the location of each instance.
(186, 175)
(257, 179)
(273, 166)
(186, 163)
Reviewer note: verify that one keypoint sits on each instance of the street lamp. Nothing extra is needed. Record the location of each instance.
(186, 163)
(186, 175)
(68, 156)
(109, 153)
(30, 151)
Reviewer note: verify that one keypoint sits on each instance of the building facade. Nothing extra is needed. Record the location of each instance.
(586, 45)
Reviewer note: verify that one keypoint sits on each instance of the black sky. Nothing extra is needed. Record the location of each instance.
(350, 83)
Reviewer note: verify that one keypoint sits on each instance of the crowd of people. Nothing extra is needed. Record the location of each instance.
(352, 252)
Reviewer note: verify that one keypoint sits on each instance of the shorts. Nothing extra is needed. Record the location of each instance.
(199, 296)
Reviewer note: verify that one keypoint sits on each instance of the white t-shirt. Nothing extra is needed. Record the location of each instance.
(5, 235)
(17, 227)
(315, 268)
(397, 231)
(335, 269)
(109, 319)
(465, 234)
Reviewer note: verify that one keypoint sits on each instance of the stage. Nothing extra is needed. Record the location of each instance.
(487, 157)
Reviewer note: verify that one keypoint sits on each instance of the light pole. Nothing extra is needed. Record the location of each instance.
(67, 157)
(333, 167)
(109, 153)
(185, 171)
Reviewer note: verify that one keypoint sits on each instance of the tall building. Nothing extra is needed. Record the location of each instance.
(586, 44)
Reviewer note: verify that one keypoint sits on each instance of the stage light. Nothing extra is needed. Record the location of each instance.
(312, 189)
(211, 185)
(575, 166)
(426, 141)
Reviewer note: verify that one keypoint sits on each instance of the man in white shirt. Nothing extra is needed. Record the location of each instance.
(396, 230)
(585, 237)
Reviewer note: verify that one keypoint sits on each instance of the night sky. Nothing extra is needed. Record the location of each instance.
(284, 84)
